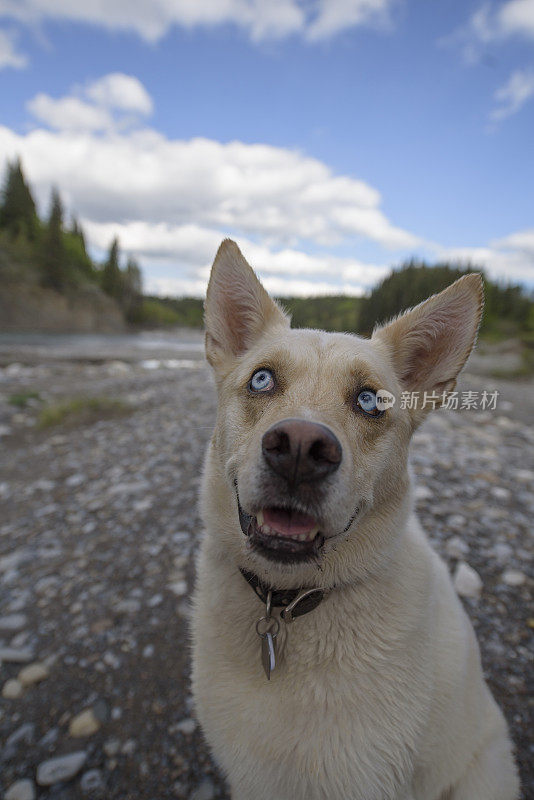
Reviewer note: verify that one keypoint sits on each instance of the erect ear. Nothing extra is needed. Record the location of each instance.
(237, 308)
(430, 344)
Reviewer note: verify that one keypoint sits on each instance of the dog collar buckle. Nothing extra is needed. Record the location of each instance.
(305, 601)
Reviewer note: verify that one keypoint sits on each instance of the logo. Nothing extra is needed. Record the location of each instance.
(384, 399)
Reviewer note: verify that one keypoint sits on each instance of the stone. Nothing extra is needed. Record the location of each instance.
(15, 655)
(467, 581)
(514, 577)
(24, 733)
(501, 552)
(33, 673)
(12, 689)
(456, 547)
(179, 588)
(61, 768)
(422, 492)
(205, 791)
(129, 747)
(186, 726)
(92, 783)
(84, 724)
(112, 747)
(13, 622)
(456, 522)
(21, 790)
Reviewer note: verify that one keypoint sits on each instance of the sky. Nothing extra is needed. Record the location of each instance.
(332, 139)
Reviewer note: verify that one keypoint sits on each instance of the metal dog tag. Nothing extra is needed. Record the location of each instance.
(268, 654)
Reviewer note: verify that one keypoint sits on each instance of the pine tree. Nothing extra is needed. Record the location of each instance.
(54, 266)
(132, 300)
(17, 210)
(112, 279)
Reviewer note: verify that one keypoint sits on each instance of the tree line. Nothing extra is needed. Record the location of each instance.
(54, 252)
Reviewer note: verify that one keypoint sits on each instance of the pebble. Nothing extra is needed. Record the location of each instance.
(61, 768)
(24, 733)
(514, 577)
(456, 547)
(467, 581)
(422, 492)
(33, 673)
(21, 790)
(501, 552)
(92, 782)
(112, 747)
(13, 622)
(205, 791)
(84, 724)
(12, 689)
(186, 726)
(15, 655)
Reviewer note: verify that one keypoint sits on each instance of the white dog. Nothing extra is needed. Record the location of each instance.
(315, 573)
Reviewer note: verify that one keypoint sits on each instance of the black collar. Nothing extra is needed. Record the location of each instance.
(294, 602)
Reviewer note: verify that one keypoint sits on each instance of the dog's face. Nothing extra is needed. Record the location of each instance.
(307, 446)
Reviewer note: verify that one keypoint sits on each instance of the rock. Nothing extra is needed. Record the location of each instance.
(15, 655)
(456, 522)
(456, 547)
(59, 769)
(500, 493)
(186, 726)
(129, 747)
(84, 724)
(178, 587)
(422, 492)
(12, 689)
(205, 791)
(92, 783)
(33, 673)
(112, 747)
(524, 476)
(514, 577)
(467, 581)
(148, 651)
(21, 790)
(501, 552)
(24, 733)
(13, 622)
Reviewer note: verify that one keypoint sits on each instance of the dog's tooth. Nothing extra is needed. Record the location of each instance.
(259, 518)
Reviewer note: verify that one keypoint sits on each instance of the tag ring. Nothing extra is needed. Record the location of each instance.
(271, 626)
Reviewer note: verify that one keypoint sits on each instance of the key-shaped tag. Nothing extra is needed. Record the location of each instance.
(267, 629)
(268, 654)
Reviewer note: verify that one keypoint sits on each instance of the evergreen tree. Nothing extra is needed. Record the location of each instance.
(132, 299)
(112, 279)
(17, 210)
(54, 262)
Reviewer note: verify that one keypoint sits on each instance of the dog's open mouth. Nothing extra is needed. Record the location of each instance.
(283, 534)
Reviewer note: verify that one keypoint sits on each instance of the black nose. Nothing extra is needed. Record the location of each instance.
(301, 451)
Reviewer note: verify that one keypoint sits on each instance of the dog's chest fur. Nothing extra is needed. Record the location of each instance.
(327, 724)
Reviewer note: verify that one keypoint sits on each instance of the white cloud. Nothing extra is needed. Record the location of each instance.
(510, 258)
(260, 19)
(123, 92)
(69, 113)
(272, 193)
(9, 57)
(493, 24)
(514, 94)
(98, 106)
(516, 17)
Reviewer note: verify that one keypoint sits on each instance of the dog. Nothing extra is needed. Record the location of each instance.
(332, 659)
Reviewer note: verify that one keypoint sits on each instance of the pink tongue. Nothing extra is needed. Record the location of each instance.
(288, 523)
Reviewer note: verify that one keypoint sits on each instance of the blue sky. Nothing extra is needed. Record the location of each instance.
(331, 138)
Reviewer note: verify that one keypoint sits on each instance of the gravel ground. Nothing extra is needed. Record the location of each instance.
(98, 524)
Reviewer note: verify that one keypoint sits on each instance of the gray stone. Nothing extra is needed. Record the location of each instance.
(13, 622)
(456, 547)
(205, 791)
(12, 689)
(15, 655)
(24, 733)
(467, 581)
(514, 577)
(21, 790)
(33, 673)
(92, 783)
(187, 726)
(59, 769)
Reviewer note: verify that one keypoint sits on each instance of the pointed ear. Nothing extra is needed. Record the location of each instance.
(430, 344)
(237, 308)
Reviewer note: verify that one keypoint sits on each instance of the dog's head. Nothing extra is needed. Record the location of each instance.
(307, 481)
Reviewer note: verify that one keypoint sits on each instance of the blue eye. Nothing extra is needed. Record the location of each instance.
(262, 381)
(366, 401)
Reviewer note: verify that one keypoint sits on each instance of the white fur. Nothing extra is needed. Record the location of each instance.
(378, 693)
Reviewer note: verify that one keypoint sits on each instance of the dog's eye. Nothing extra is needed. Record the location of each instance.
(366, 401)
(261, 381)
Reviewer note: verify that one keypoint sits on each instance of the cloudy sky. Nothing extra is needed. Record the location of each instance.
(331, 138)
